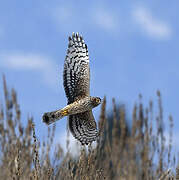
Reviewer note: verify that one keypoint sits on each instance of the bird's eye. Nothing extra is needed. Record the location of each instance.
(97, 100)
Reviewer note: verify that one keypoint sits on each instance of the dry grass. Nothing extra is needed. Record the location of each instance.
(122, 152)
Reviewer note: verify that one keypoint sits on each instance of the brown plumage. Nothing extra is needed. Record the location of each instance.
(76, 76)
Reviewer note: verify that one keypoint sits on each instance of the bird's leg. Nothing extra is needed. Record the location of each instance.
(64, 112)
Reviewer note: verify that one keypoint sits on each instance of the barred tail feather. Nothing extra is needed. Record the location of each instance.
(51, 117)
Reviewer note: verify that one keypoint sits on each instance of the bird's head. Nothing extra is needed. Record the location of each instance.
(96, 101)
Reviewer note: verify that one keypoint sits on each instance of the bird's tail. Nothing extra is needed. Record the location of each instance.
(50, 117)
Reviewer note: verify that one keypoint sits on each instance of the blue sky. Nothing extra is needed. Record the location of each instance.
(133, 49)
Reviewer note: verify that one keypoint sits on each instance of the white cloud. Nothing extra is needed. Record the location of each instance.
(24, 61)
(30, 62)
(67, 18)
(151, 25)
(74, 145)
(105, 19)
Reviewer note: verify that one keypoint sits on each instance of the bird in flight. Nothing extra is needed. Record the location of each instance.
(76, 81)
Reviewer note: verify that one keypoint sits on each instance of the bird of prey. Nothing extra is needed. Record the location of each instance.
(76, 80)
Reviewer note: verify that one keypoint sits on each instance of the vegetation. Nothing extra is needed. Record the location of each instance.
(121, 152)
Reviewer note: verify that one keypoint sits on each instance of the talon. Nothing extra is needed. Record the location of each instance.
(64, 112)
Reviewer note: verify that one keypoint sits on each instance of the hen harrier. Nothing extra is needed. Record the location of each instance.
(76, 80)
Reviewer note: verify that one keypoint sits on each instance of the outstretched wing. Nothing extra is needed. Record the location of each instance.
(83, 127)
(76, 74)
